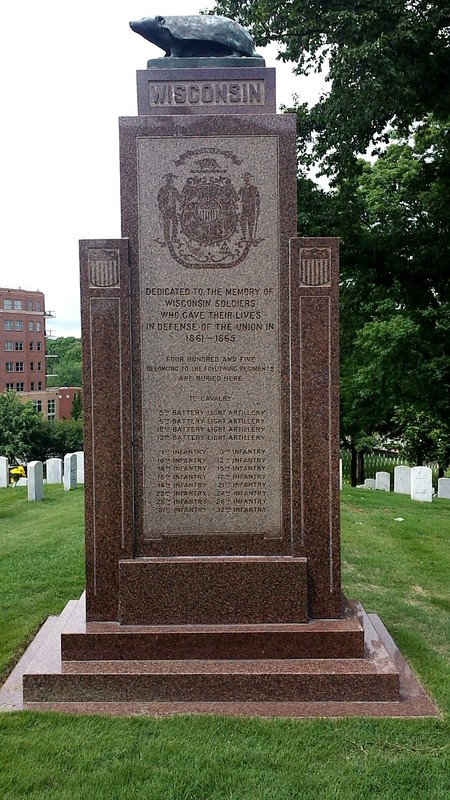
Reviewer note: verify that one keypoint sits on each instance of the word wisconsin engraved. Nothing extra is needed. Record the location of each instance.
(211, 221)
(205, 93)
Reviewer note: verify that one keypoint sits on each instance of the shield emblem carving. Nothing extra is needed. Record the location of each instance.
(211, 220)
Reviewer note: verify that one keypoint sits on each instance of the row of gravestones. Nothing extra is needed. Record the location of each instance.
(69, 471)
(413, 481)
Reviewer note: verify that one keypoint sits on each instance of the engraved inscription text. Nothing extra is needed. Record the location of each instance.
(206, 93)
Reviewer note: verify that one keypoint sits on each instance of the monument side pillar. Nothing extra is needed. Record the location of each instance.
(315, 417)
(107, 402)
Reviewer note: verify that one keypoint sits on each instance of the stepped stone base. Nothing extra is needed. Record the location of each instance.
(316, 669)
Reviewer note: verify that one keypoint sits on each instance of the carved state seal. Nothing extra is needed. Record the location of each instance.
(209, 216)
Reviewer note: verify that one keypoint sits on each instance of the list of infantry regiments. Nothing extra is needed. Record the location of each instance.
(230, 476)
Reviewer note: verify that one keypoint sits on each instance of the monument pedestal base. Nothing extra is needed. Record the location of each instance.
(313, 669)
(213, 590)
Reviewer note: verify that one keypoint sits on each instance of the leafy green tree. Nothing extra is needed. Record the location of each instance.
(77, 407)
(424, 436)
(388, 63)
(22, 429)
(395, 296)
(66, 368)
(63, 436)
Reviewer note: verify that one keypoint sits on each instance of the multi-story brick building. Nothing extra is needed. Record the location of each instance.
(55, 402)
(22, 341)
(23, 354)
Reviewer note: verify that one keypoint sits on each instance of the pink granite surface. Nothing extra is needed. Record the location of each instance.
(96, 641)
(244, 688)
(105, 315)
(315, 427)
(193, 133)
(206, 91)
(210, 615)
(208, 590)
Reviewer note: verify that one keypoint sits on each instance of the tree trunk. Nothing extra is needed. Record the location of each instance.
(360, 475)
(353, 480)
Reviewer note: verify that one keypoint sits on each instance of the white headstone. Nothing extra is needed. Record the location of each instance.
(70, 472)
(35, 474)
(369, 483)
(22, 482)
(80, 466)
(383, 481)
(421, 485)
(444, 488)
(4, 472)
(402, 480)
(54, 470)
(340, 473)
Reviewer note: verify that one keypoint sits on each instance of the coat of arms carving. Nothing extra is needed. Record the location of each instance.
(209, 215)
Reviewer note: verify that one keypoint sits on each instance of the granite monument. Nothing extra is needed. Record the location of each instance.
(210, 357)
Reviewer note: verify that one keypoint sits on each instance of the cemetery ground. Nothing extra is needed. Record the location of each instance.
(395, 561)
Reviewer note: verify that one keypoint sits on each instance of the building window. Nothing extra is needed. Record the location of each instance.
(39, 386)
(31, 345)
(39, 366)
(9, 387)
(30, 305)
(31, 326)
(9, 366)
(19, 387)
(38, 305)
(9, 345)
(38, 405)
(51, 409)
(32, 386)
(7, 304)
(18, 305)
(9, 325)
(19, 366)
(18, 325)
(38, 326)
(19, 346)
(39, 346)
(31, 366)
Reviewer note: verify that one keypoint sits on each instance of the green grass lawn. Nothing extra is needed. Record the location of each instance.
(41, 563)
(399, 569)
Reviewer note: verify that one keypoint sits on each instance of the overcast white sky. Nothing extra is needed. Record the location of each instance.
(68, 72)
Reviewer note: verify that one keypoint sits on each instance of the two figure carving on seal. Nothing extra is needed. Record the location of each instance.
(215, 208)
(208, 222)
